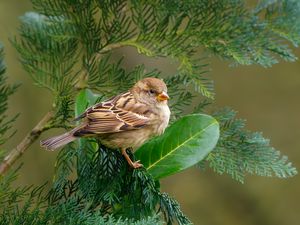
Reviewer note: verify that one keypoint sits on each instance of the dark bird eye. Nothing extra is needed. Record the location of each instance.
(151, 91)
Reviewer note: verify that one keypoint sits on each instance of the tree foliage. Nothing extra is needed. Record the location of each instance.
(240, 151)
(67, 47)
(5, 91)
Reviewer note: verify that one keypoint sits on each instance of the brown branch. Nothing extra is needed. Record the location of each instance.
(15, 153)
(18, 151)
(81, 83)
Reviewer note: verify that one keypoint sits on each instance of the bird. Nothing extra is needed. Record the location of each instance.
(124, 121)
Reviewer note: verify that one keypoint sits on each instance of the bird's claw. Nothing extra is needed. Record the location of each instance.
(136, 164)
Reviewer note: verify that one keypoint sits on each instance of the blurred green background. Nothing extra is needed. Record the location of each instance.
(268, 98)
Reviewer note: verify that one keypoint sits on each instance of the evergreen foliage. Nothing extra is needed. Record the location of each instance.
(5, 91)
(36, 209)
(240, 151)
(66, 47)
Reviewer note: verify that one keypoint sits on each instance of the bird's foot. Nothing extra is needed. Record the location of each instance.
(136, 164)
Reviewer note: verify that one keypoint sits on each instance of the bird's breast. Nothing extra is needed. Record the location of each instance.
(161, 119)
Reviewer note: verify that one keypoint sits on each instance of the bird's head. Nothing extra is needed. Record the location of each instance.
(151, 91)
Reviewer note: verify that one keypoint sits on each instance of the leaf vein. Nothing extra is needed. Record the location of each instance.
(183, 143)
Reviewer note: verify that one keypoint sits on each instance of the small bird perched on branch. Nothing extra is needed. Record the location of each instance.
(124, 121)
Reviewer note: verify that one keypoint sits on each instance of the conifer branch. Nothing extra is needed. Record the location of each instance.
(26, 142)
(110, 47)
(133, 42)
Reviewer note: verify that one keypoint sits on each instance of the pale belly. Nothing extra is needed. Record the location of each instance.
(132, 138)
(127, 139)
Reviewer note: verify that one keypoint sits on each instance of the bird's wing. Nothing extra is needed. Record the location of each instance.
(113, 116)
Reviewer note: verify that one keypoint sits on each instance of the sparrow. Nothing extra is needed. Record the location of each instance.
(124, 121)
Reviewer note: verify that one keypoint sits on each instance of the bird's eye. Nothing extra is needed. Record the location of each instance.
(151, 91)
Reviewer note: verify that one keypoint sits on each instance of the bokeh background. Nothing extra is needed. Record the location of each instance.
(268, 98)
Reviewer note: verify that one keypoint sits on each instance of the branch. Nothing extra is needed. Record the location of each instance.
(111, 47)
(130, 42)
(25, 143)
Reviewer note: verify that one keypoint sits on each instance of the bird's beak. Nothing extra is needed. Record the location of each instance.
(163, 96)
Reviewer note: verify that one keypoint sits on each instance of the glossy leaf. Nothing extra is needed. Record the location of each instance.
(84, 99)
(184, 143)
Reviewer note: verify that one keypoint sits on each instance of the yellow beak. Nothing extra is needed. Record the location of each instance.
(162, 97)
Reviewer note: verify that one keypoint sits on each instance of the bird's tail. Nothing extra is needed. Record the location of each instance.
(58, 141)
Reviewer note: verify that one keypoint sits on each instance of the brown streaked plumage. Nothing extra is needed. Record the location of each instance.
(124, 121)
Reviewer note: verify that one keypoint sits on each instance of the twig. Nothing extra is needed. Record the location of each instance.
(111, 47)
(15, 153)
(128, 43)
(42, 125)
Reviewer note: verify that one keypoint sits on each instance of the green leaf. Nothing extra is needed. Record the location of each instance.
(84, 99)
(184, 143)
